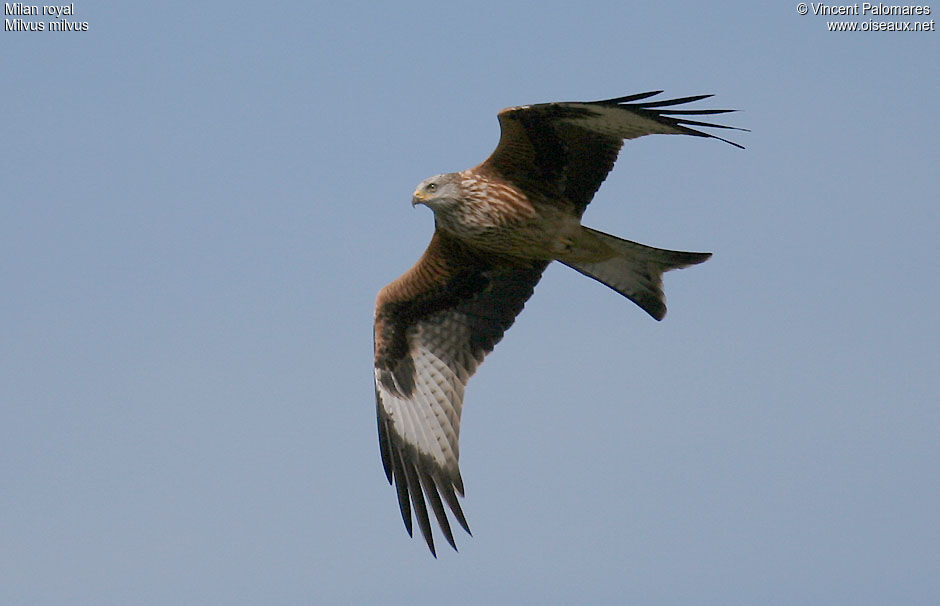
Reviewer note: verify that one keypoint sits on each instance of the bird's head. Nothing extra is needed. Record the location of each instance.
(438, 192)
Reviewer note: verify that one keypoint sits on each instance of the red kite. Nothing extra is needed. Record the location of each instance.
(497, 226)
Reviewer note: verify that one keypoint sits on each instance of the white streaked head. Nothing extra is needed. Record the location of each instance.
(438, 191)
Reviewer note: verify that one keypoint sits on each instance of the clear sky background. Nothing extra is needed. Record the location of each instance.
(199, 202)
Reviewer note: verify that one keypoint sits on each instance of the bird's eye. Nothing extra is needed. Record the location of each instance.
(431, 186)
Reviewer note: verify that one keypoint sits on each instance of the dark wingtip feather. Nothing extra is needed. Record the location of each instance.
(420, 509)
(629, 98)
(401, 487)
(694, 112)
(417, 489)
(451, 498)
(385, 445)
(710, 124)
(636, 103)
(710, 136)
(679, 101)
(437, 507)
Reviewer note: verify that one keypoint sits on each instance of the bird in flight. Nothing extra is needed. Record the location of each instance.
(496, 227)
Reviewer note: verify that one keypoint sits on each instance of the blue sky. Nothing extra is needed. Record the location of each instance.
(200, 201)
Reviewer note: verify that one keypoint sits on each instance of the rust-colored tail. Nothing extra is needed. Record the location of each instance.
(635, 270)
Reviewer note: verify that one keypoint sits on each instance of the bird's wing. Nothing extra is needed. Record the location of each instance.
(566, 149)
(433, 326)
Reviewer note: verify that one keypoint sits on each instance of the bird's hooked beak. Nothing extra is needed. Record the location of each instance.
(417, 198)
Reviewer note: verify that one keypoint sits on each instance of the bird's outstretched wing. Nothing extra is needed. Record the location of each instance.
(566, 149)
(433, 326)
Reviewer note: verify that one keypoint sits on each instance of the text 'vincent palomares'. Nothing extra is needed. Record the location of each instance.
(867, 8)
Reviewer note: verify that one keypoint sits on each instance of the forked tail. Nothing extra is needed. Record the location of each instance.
(635, 270)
